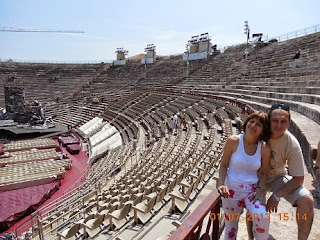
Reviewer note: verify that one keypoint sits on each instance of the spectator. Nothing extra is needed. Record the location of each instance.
(297, 58)
(118, 166)
(174, 122)
(135, 142)
(183, 121)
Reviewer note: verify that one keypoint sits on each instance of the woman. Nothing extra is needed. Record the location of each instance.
(239, 184)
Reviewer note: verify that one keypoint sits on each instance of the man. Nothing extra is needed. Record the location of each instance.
(174, 122)
(286, 151)
(297, 58)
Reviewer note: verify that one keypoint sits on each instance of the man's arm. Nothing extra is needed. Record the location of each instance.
(289, 187)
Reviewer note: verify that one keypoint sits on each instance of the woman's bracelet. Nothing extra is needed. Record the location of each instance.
(260, 188)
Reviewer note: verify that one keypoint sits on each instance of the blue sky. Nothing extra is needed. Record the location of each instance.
(132, 24)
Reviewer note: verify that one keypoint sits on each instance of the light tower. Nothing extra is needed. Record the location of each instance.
(198, 47)
(150, 51)
(247, 32)
(121, 53)
(193, 44)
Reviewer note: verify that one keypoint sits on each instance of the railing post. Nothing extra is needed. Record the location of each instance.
(195, 220)
(32, 223)
(39, 224)
(216, 221)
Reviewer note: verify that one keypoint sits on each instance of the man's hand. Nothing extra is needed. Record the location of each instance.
(224, 191)
(272, 204)
(258, 195)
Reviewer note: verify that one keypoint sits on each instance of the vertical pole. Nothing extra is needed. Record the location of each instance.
(145, 66)
(247, 32)
(188, 53)
(215, 228)
(39, 227)
(207, 49)
(188, 66)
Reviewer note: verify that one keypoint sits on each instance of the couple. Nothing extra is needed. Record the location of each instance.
(267, 146)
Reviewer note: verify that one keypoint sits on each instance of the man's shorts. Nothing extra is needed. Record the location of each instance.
(278, 182)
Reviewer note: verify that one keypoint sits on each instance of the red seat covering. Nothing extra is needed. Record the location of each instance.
(73, 148)
(16, 204)
(68, 140)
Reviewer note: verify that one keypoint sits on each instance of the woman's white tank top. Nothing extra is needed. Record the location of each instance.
(243, 167)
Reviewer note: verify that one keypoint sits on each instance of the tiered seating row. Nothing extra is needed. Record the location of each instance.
(54, 80)
(18, 176)
(28, 156)
(28, 144)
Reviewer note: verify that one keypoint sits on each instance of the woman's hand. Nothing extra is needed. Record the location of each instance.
(224, 191)
(258, 195)
(272, 204)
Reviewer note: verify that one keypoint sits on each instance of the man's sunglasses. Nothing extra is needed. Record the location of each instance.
(283, 106)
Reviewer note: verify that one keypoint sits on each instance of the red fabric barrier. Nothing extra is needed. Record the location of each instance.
(73, 148)
(16, 204)
(68, 140)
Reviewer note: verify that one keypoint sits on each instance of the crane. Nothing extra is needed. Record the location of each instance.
(11, 29)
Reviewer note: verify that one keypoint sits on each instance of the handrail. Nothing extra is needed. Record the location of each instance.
(295, 34)
(195, 221)
(283, 37)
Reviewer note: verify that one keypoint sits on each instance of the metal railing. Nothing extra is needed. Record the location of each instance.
(75, 193)
(26, 226)
(280, 38)
(191, 227)
(295, 34)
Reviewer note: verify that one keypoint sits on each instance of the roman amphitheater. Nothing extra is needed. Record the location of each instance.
(110, 165)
